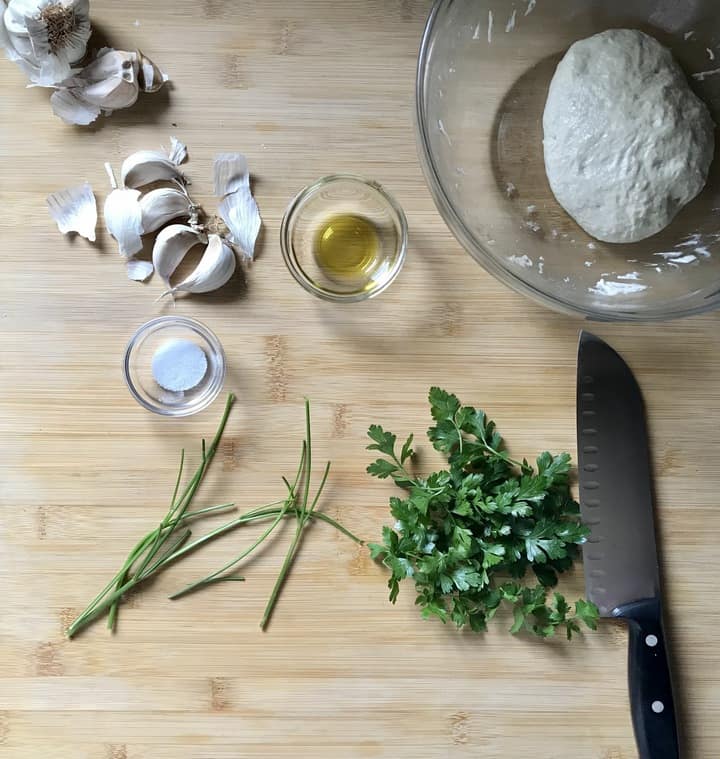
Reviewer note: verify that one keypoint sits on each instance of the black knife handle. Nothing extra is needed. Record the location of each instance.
(651, 696)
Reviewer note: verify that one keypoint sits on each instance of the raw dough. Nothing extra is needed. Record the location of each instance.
(627, 142)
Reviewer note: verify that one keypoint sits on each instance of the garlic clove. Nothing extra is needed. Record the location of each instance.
(74, 210)
(242, 216)
(230, 173)
(160, 206)
(147, 166)
(172, 245)
(112, 93)
(150, 77)
(108, 63)
(107, 83)
(123, 217)
(215, 269)
(139, 271)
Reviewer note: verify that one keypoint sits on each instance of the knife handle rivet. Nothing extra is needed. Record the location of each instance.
(651, 640)
(658, 707)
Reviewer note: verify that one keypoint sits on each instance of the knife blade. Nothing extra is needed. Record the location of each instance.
(620, 556)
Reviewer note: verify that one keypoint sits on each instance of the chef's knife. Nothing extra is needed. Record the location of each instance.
(620, 558)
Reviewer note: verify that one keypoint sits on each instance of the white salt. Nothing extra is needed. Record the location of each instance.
(179, 365)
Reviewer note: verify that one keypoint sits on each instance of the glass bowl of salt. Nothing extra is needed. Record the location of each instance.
(174, 366)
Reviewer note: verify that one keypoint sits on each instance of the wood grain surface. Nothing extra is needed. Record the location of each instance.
(304, 89)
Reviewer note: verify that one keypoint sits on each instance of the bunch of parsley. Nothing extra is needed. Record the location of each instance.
(486, 531)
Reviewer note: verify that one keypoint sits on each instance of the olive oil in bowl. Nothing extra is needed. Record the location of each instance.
(347, 248)
(344, 238)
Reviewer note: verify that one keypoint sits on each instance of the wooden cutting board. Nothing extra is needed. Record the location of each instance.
(304, 89)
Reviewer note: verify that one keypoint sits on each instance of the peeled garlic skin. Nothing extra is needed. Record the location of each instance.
(138, 271)
(74, 210)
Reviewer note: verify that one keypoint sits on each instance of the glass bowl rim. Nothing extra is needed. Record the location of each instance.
(285, 244)
(476, 250)
(184, 321)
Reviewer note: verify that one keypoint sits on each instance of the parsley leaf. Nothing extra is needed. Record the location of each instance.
(469, 535)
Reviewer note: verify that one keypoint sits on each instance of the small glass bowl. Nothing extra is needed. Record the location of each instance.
(343, 195)
(137, 366)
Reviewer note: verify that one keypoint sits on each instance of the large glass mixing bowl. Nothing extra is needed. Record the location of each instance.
(483, 76)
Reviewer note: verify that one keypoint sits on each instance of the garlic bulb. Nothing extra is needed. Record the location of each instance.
(74, 210)
(147, 166)
(123, 217)
(110, 82)
(215, 269)
(172, 245)
(46, 38)
(238, 208)
(160, 206)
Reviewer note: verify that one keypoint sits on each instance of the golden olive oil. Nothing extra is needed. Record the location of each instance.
(347, 247)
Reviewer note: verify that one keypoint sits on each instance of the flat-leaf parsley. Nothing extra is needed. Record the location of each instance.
(486, 531)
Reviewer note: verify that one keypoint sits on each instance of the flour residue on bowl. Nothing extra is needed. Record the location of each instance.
(608, 287)
(490, 26)
(525, 261)
(511, 22)
(443, 132)
(530, 6)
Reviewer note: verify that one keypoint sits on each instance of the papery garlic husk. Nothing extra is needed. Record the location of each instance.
(215, 269)
(111, 81)
(103, 86)
(150, 77)
(46, 38)
(160, 206)
(74, 210)
(123, 217)
(238, 209)
(147, 166)
(137, 270)
(242, 216)
(172, 245)
(230, 173)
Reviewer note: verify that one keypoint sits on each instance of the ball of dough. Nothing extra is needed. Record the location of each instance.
(627, 142)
